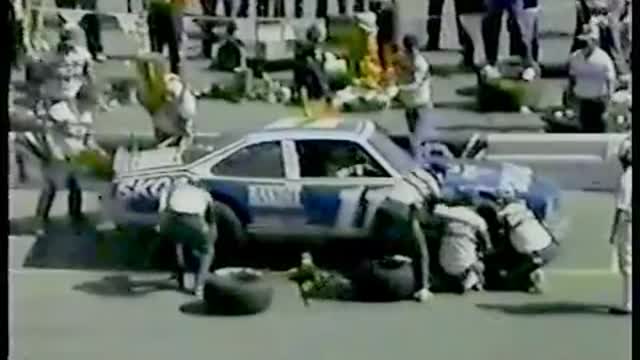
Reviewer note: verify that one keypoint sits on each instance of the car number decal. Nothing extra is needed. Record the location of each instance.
(147, 188)
(274, 196)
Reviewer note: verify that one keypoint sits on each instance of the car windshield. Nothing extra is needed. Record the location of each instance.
(400, 159)
(202, 147)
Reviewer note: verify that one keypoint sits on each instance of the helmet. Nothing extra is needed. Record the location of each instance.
(506, 193)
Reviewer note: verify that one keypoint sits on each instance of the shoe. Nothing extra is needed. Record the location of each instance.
(539, 282)
(529, 74)
(619, 311)
(471, 282)
(525, 110)
(199, 291)
(100, 58)
(423, 295)
(490, 72)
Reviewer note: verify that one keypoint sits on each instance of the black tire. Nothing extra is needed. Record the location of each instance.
(384, 280)
(237, 293)
(232, 238)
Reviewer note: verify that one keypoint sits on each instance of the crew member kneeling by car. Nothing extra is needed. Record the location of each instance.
(399, 219)
(465, 239)
(187, 218)
(532, 244)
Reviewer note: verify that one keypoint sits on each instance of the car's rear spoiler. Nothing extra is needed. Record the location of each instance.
(125, 162)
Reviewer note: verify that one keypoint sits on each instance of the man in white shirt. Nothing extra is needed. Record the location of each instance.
(465, 240)
(592, 79)
(188, 219)
(621, 232)
(530, 245)
(71, 72)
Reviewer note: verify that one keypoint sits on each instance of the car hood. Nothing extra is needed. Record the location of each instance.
(480, 178)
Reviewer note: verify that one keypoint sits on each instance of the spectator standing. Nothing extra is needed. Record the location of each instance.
(90, 24)
(531, 21)
(591, 81)
(165, 28)
(434, 26)
(493, 26)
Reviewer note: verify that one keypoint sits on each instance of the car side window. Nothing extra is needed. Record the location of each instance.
(336, 159)
(263, 160)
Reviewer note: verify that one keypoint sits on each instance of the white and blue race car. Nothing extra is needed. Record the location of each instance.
(290, 182)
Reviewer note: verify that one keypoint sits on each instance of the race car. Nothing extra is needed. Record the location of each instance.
(289, 183)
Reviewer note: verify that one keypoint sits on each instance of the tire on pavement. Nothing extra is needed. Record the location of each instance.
(384, 280)
(237, 291)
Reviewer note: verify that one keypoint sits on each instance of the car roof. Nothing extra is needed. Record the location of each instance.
(329, 129)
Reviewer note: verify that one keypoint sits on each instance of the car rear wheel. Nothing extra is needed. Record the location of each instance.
(232, 239)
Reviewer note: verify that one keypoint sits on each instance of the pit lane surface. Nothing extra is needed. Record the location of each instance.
(83, 314)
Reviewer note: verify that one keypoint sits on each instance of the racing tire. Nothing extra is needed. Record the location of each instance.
(384, 280)
(232, 239)
(237, 291)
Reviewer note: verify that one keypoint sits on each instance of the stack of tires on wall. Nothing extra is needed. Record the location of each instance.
(237, 291)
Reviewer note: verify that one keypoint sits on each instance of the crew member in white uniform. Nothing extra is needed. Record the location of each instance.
(71, 67)
(621, 234)
(465, 240)
(532, 244)
(173, 122)
(187, 218)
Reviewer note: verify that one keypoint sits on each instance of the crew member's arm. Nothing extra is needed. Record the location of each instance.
(610, 72)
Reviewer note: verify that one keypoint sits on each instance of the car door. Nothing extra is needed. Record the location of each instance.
(331, 202)
(252, 181)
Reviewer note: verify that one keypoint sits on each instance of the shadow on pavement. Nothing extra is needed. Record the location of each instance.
(551, 308)
(123, 285)
(467, 91)
(199, 308)
(85, 247)
(468, 105)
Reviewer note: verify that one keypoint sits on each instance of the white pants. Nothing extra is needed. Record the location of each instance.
(623, 244)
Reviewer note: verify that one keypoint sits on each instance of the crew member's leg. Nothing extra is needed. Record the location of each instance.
(75, 197)
(420, 258)
(45, 200)
(434, 24)
(206, 258)
(591, 115)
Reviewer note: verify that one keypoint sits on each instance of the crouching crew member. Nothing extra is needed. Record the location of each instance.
(530, 245)
(399, 220)
(621, 234)
(465, 240)
(187, 218)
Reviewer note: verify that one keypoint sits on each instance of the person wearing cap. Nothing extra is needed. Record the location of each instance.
(398, 217)
(464, 243)
(188, 219)
(609, 16)
(173, 122)
(311, 81)
(364, 61)
(592, 79)
(530, 245)
(414, 83)
(525, 26)
(69, 106)
(621, 231)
